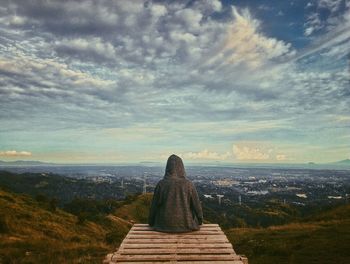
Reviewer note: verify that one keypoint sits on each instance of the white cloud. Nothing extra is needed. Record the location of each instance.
(242, 152)
(17, 20)
(158, 10)
(90, 47)
(245, 44)
(309, 4)
(182, 68)
(206, 155)
(332, 5)
(14, 153)
(281, 157)
(317, 20)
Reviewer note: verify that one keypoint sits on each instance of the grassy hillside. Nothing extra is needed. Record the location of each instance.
(64, 189)
(136, 208)
(322, 238)
(325, 238)
(34, 232)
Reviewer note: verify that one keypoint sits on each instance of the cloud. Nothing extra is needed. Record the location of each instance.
(94, 49)
(182, 72)
(245, 45)
(324, 15)
(109, 54)
(281, 157)
(14, 153)
(249, 153)
(206, 155)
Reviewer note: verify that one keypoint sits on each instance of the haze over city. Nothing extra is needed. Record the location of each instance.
(132, 81)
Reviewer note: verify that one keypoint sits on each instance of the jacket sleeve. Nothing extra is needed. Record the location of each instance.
(156, 201)
(196, 205)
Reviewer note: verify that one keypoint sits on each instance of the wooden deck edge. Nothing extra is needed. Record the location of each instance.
(127, 252)
(109, 257)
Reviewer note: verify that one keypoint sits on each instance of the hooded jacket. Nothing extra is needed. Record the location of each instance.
(175, 205)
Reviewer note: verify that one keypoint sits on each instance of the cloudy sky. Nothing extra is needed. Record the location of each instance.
(128, 81)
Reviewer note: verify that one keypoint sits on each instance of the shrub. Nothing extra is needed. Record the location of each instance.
(3, 225)
(53, 204)
(114, 237)
(82, 217)
(41, 198)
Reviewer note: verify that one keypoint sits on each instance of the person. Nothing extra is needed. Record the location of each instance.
(175, 206)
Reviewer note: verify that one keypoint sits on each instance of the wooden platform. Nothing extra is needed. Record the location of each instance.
(143, 245)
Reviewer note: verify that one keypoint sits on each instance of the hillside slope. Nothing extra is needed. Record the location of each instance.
(136, 209)
(323, 239)
(31, 232)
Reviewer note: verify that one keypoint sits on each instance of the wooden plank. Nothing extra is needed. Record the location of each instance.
(201, 245)
(174, 257)
(143, 245)
(173, 250)
(158, 236)
(165, 236)
(201, 227)
(200, 232)
(153, 230)
(206, 225)
(174, 240)
(182, 262)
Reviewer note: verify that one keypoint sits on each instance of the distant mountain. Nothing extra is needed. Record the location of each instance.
(344, 162)
(23, 163)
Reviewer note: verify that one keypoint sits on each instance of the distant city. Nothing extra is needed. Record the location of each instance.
(224, 185)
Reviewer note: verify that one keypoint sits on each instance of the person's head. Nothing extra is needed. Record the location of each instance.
(174, 167)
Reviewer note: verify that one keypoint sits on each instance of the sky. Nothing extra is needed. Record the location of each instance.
(263, 81)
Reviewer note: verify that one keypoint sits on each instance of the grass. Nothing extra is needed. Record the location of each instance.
(324, 239)
(33, 234)
(137, 209)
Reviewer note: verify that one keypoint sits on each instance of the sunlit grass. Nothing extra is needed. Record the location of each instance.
(33, 234)
(320, 240)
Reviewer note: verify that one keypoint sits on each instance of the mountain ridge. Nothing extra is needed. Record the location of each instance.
(151, 163)
(25, 163)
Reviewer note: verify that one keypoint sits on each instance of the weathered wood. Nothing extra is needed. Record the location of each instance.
(177, 257)
(142, 245)
(201, 232)
(206, 225)
(202, 245)
(182, 262)
(202, 228)
(244, 259)
(174, 250)
(174, 240)
(177, 236)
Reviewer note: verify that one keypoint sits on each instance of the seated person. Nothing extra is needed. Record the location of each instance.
(175, 205)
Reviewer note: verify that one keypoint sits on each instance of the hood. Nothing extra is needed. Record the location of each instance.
(174, 168)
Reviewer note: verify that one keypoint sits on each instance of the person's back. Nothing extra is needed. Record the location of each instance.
(175, 205)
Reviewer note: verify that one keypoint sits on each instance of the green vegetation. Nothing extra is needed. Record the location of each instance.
(270, 213)
(61, 188)
(31, 232)
(324, 238)
(136, 210)
(44, 229)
